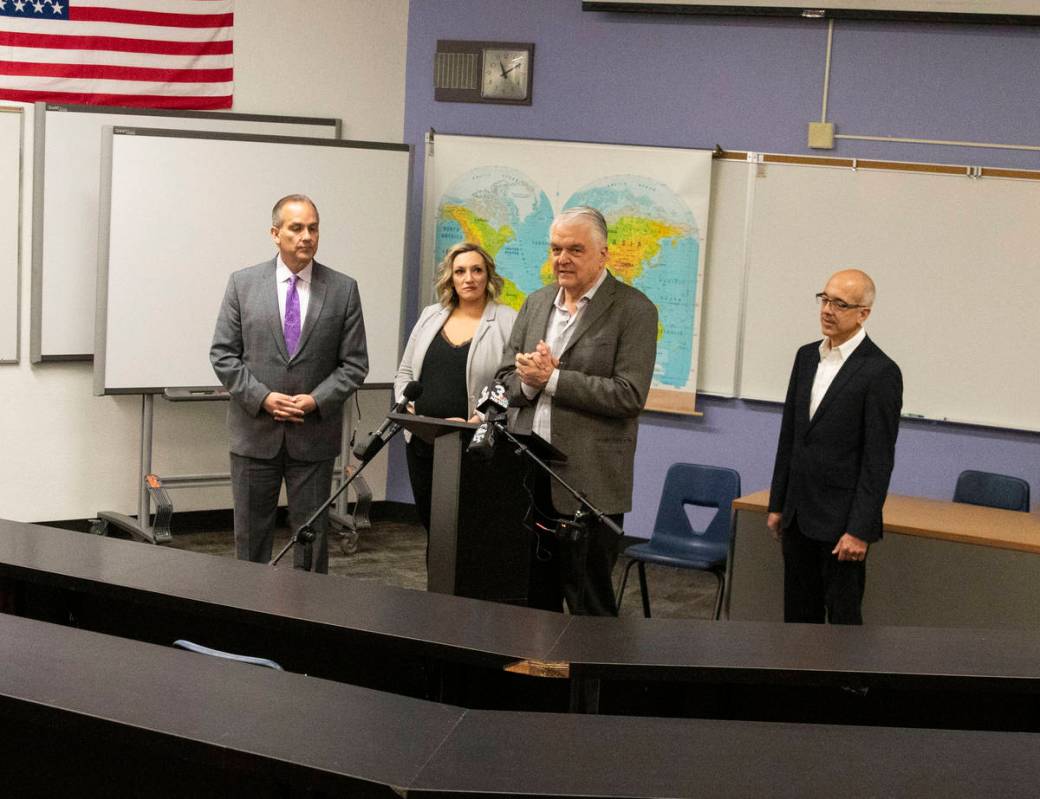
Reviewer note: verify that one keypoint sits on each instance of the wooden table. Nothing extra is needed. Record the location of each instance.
(939, 564)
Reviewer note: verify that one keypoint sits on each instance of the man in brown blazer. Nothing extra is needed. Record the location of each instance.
(578, 367)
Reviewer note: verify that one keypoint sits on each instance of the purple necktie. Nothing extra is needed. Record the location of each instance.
(292, 317)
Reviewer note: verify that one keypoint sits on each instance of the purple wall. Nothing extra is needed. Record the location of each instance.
(747, 84)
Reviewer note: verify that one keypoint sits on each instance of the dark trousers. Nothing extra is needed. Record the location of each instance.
(817, 586)
(255, 486)
(579, 572)
(420, 474)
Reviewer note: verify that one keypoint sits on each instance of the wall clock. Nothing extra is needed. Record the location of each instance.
(483, 72)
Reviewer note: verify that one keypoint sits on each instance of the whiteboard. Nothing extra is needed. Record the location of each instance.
(10, 230)
(181, 211)
(724, 278)
(67, 164)
(956, 261)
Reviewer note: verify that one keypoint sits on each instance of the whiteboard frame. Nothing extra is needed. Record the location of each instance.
(893, 333)
(107, 115)
(104, 245)
(10, 348)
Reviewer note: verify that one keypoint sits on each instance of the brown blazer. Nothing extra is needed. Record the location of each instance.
(605, 375)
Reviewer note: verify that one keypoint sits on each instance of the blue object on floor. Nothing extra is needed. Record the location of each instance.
(191, 646)
(674, 542)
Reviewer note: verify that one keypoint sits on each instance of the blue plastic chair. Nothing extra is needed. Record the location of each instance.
(674, 542)
(992, 490)
(191, 646)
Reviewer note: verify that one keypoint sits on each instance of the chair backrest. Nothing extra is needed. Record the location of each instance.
(993, 490)
(191, 646)
(705, 486)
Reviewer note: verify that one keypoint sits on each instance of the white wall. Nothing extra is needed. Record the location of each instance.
(68, 454)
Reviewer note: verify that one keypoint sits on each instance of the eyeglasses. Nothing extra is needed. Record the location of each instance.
(837, 305)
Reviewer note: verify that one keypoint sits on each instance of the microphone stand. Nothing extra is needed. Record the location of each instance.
(585, 508)
(576, 529)
(305, 533)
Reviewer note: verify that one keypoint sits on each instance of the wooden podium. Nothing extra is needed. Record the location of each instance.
(479, 544)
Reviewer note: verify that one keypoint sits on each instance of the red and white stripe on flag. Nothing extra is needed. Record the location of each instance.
(141, 53)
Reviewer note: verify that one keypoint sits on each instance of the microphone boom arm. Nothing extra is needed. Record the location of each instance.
(586, 506)
(305, 532)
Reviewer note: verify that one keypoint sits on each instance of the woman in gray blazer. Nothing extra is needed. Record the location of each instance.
(454, 351)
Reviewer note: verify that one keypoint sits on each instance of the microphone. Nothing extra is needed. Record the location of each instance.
(493, 403)
(369, 446)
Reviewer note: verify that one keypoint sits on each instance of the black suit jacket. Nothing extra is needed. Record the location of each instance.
(833, 471)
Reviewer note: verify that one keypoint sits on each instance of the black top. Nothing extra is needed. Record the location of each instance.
(444, 380)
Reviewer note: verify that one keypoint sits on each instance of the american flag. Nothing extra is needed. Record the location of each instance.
(143, 53)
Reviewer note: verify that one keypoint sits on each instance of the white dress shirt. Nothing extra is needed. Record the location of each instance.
(282, 273)
(831, 361)
(558, 334)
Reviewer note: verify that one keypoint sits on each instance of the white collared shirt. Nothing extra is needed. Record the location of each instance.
(557, 336)
(282, 273)
(831, 361)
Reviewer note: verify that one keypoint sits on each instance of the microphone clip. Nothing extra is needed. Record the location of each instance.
(573, 530)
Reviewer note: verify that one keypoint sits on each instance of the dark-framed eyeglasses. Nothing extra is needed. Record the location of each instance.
(838, 305)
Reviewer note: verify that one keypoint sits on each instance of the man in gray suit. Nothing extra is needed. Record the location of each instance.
(290, 349)
(578, 367)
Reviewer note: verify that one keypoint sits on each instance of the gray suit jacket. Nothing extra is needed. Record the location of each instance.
(605, 375)
(250, 359)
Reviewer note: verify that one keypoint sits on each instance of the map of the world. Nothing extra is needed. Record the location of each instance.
(654, 243)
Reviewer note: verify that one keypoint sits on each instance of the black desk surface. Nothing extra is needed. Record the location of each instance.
(801, 652)
(495, 634)
(239, 589)
(308, 732)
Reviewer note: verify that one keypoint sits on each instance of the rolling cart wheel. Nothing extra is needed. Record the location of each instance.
(349, 542)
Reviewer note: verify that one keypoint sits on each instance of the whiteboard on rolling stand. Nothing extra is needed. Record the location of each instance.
(165, 256)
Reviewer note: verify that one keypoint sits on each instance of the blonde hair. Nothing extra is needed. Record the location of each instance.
(444, 284)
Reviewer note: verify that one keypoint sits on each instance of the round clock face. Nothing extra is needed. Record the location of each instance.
(505, 74)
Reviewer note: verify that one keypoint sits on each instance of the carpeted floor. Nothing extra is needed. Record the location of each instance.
(393, 552)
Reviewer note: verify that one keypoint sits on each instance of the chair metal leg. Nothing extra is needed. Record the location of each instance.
(721, 577)
(624, 580)
(644, 590)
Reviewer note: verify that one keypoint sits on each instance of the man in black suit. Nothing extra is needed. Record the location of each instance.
(834, 458)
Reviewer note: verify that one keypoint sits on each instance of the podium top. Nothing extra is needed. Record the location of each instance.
(430, 428)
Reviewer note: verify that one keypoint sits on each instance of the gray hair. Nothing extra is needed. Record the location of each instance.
(587, 214)
(276, 212)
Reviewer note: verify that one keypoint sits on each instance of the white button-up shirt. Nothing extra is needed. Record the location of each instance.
(831, 361)
(561, 327)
